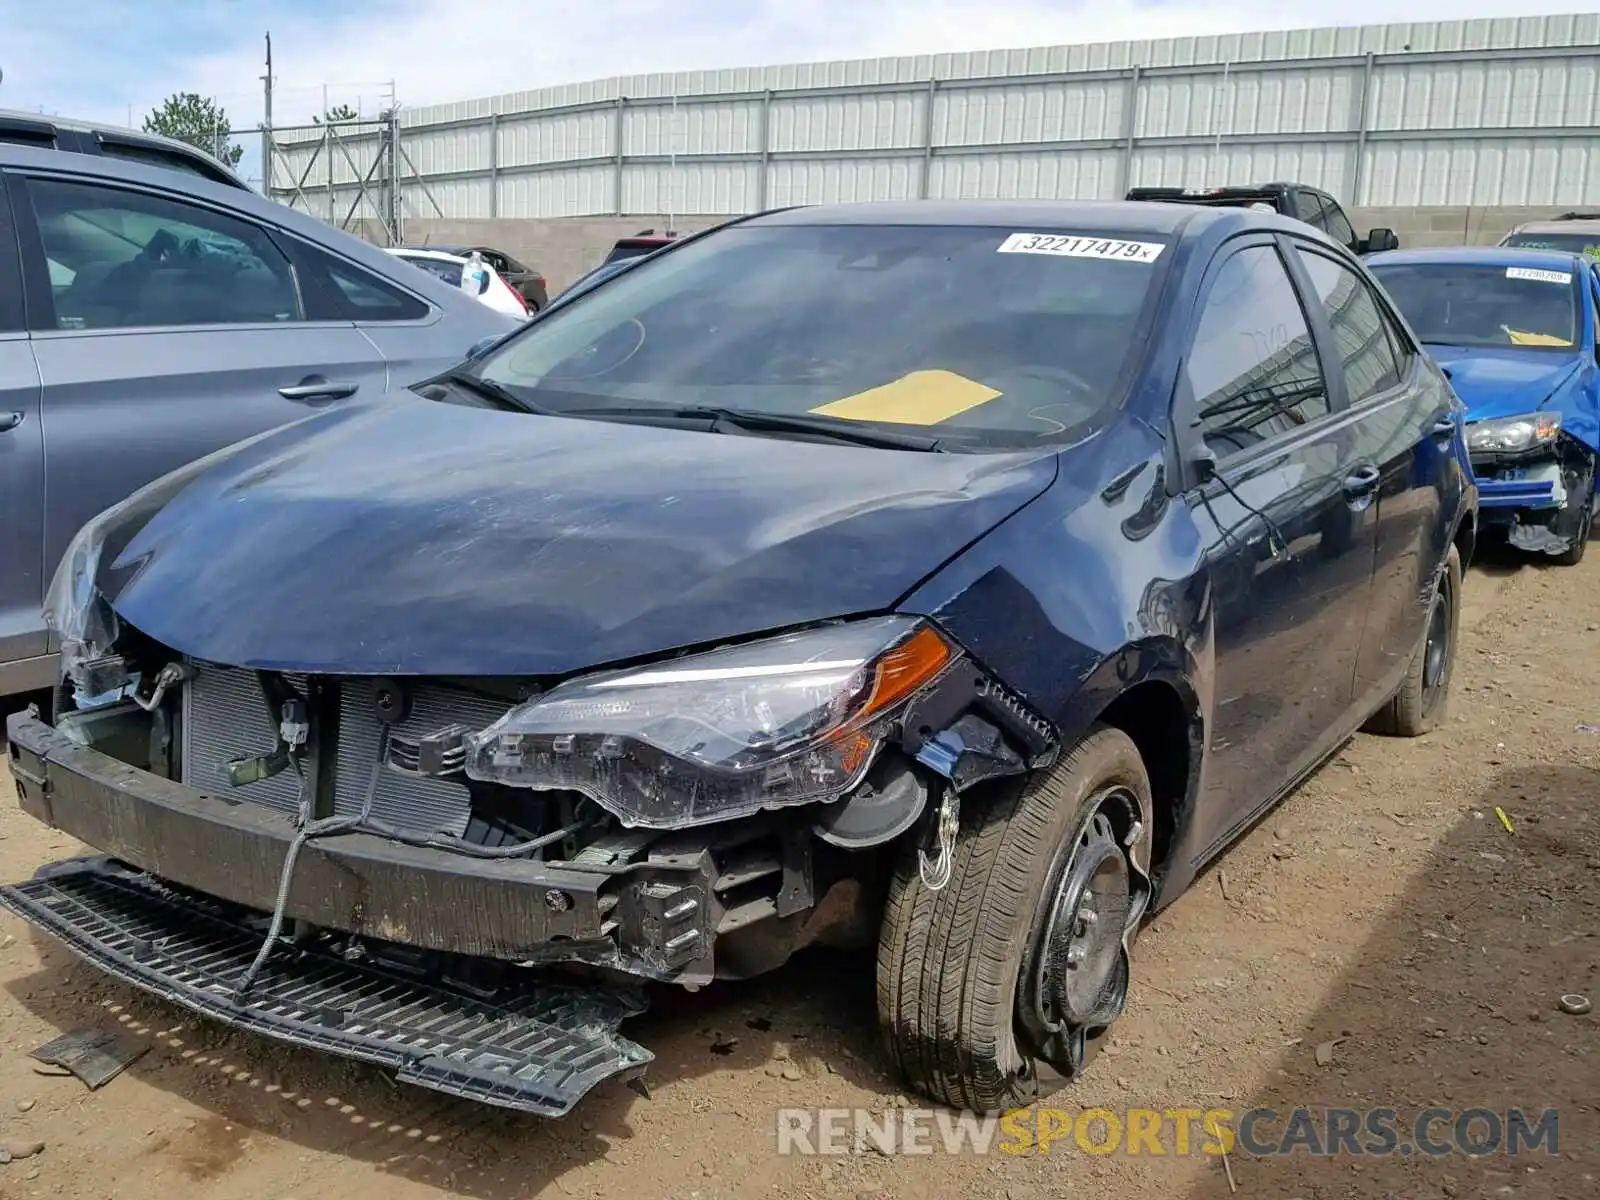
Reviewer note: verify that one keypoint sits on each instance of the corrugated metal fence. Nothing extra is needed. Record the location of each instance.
(1494, 112)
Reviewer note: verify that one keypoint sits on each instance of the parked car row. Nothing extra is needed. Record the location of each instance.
(773, 591)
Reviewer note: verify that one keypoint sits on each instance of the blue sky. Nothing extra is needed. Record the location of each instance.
(104, 60)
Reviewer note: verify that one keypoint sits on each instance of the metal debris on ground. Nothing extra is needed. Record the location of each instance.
(93, 1055)
(1575, 1005)
(1586, 729)
(1504, 820)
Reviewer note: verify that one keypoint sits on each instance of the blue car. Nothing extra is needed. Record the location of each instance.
(955, 578)
(1515, 330)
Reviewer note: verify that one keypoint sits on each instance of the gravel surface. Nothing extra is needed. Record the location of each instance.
(1379, 940)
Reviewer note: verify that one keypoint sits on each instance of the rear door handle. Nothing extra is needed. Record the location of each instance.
(313, 389)
(1361, 482)
(9, 421)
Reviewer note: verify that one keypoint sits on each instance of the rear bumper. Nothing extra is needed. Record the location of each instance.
(533, 1047)
(355, 883)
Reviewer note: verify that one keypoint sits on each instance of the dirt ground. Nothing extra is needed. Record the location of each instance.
(1383, 908)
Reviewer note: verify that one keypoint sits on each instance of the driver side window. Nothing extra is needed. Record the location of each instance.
(121, 259)
(1253, 371)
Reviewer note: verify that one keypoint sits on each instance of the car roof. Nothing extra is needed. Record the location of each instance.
(1482, 256)
(1571, 225)
(1086, 216)
(135, 136)
(419, 252)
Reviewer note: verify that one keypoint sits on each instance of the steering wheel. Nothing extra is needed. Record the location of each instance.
(606, 353)
(1053, 374)
(161, 247)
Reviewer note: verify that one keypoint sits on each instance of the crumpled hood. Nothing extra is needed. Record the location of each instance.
(413, 537)
(1503, 383)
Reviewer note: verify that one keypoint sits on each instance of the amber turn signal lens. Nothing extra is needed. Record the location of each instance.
(906, 668)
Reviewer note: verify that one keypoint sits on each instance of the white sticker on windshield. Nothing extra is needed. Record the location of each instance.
(1538, 276)
(1073, 246)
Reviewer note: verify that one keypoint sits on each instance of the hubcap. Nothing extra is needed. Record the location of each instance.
(1436, 654)
(1076, 978)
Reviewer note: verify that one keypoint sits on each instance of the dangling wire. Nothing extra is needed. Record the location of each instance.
(305, 830)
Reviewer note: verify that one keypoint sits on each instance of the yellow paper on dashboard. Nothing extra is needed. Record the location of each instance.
(1522, 338)
(920, 398)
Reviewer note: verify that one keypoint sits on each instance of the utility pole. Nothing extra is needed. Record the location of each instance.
(266, 125)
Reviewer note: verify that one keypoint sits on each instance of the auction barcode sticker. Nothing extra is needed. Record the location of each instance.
(1072, 246)
(1538, 276)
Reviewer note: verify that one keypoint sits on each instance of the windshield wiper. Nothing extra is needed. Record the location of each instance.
(498, 392)
(832, 428)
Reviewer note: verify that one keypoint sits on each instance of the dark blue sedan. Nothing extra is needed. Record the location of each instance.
(1515, 328)
(956, 577)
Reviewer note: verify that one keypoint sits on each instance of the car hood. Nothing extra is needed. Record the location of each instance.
(1503, 383)
(420, 538)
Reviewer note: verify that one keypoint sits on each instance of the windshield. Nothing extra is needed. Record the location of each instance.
(443, 268)
(1456, 304)
(1587, 244)
(989, 335)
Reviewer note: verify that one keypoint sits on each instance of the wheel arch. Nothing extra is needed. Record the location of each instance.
(1148, 692)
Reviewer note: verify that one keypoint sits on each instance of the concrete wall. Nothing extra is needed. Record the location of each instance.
(1479, 225)
(565, 247)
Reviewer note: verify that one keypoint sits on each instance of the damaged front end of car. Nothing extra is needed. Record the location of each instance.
(1535, 480)
(469, 879)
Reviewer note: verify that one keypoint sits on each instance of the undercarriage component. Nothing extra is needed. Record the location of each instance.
(537, 1047)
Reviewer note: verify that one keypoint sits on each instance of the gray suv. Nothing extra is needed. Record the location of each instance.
(148, 317)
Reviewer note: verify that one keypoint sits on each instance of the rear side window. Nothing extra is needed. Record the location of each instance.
(156, 156)
(1360, 329)
(121, 259)
(11, 314)
(1308, 207)
(340, 291)
(1339, 226)
(1253, 368)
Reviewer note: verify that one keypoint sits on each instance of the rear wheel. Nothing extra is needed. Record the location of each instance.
(997, 988)
(1424, 694)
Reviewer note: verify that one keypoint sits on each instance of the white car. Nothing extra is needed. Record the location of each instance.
(497, 294)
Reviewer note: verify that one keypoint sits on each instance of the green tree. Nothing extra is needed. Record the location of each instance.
(191, 117)
(339, 112)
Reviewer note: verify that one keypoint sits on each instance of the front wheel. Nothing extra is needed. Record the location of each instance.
(998, 987)
(1573, 554)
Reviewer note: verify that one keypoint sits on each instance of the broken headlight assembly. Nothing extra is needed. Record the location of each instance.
(1513, 435)
(785, 721)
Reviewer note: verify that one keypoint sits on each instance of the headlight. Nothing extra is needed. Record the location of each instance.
(1510, 434)
(790, 720)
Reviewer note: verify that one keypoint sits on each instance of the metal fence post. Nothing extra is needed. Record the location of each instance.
(766, 151)
(926, 181)
(327, 157)
(1130, 130)
(616, 148)
(494, 165)
(1362, 121)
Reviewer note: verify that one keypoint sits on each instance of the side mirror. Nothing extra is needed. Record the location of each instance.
(481, 346)
(1380, 239)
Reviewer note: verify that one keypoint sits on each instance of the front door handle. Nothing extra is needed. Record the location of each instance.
(1361, 482)
(314, 389)
(9, 421)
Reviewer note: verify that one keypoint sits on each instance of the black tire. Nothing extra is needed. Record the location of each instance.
(959, 969)
(1573, 554)
(1424, 696)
